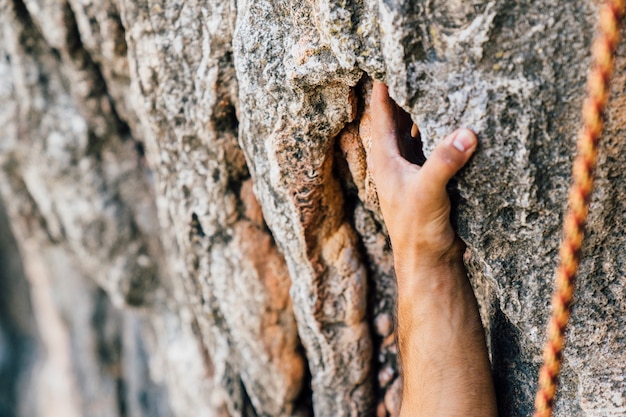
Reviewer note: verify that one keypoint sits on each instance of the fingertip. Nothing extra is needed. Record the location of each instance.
(463, 140)
(449, 157)
(380, 95)
(379, 87)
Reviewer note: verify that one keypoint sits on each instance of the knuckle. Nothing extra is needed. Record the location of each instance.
(447, 157)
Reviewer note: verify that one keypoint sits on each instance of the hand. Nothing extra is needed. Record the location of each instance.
(413, 199)
(445, 364)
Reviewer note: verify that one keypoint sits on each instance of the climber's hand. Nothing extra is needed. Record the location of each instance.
(413, 199)
(439, 333)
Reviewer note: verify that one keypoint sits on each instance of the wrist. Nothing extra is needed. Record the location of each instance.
(423, 258)
(434, 282)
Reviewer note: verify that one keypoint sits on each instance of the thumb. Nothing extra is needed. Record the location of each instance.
(448, 158)
(384, 150)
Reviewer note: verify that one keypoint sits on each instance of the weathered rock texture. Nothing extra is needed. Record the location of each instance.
(187, 185)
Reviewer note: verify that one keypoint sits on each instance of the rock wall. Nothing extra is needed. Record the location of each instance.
(188, 188)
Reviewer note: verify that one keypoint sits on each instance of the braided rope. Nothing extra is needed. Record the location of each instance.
(573, 228)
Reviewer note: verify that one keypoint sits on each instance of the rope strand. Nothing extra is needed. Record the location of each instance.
(580, 191)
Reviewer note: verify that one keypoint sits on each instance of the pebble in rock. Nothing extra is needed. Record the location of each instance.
(383, 324)
(393, 398)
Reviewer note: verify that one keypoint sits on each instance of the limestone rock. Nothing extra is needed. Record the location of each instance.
(192, 178)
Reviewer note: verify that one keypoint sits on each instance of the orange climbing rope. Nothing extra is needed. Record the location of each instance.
(573, 228)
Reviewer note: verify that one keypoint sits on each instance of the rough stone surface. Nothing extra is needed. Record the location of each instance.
(188, 188)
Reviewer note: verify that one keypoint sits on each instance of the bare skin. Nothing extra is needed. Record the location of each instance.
(446, 367)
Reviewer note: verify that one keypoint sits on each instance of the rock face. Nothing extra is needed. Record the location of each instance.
(187, 185)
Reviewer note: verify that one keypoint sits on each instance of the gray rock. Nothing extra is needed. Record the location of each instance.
(204, 163)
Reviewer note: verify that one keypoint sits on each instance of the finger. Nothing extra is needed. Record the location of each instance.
(417, 145)
(447, 159)
(384, 130)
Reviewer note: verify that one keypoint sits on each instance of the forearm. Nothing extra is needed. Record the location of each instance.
(442, 344)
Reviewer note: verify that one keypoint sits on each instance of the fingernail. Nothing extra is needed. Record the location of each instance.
(463, 140)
